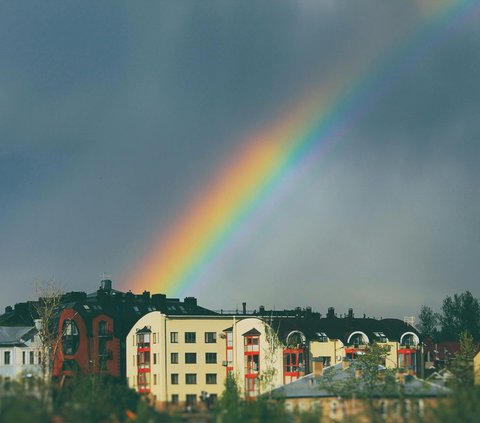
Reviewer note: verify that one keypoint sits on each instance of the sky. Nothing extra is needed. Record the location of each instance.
(114, 115)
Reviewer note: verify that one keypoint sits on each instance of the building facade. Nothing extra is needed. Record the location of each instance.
(179, 360)
(20, 352)
(92, 329)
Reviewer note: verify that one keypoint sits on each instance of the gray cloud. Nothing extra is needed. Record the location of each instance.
(113, 116)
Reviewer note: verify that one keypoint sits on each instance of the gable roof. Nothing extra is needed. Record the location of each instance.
(15, 335)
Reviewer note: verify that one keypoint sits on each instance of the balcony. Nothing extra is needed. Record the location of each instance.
(105, 355)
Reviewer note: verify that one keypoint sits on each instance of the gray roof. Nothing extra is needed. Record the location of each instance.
(13, 335)
(316, 386)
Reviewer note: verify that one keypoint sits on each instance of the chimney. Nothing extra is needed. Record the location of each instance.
(159, 299)
(317, 368)
(261, 310)
(106, 285)
(190, 301)
(350, 313)
(244, 307)
(330, 313)
(308, 312)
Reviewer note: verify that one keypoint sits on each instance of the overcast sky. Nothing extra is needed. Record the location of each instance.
(113, 114)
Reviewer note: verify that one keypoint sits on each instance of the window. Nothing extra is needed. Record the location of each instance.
(102, 346)
(210, 337)
(252, 387)
(252, 364)
(191, 378)
(6, 358)
(32, 357)
(174, 378)
(102, 328)
(293, 359)
(210, 358)
(70, 337)
(322, 336)
(174, 358)
(230, 339)
(333, 409)
(174, 337)
(252, 343)
(190, 358)
(190, 337)
(380, 337)
(154, 338)
(191, 399)
(143, 359)
(211, 379)
(143, 380)
(24, 357)
(143, 339)
(154, 358)
(174, 399)
(154, 379)
(103, 363)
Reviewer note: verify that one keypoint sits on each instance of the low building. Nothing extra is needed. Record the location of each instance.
(339, 392)
(20, 352)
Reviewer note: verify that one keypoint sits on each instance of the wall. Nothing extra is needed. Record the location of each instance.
(161, 328)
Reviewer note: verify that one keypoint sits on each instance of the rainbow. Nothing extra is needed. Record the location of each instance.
(273, 160)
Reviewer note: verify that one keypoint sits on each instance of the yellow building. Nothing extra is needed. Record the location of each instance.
(476, 368)
(181, 356)
(177, 359)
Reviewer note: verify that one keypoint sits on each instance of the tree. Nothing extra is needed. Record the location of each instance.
(366, 379)
(49, 298)
(428, 322)
(462, 365)
(460, 313)
(273, 345)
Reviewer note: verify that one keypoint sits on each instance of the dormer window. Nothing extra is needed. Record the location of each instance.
(358, 338)
(322, 336)
(295, 339)
(380, 337)
(409, 339)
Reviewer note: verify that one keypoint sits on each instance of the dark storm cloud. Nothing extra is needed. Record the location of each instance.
(112, 115)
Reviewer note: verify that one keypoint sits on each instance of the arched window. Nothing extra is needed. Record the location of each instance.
(409, 339)
(70, 337)
(358, 338)
(295, 339)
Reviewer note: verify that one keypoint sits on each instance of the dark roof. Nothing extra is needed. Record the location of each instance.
(125, 307)
(23, 314)
(341, 328)
(252, 332)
